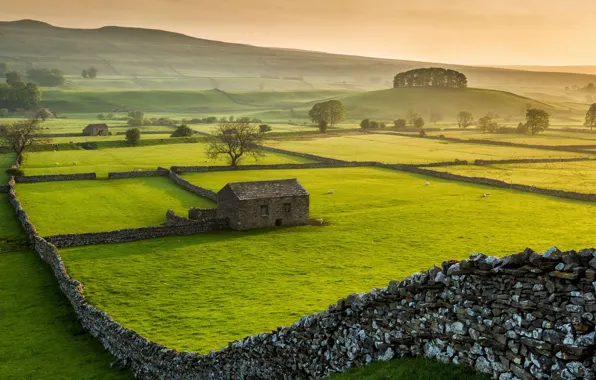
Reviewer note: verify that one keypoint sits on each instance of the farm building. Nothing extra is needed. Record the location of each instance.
(96, 130)
(249, 205)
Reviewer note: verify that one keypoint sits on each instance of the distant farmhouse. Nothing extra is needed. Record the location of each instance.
(96, 130)
(248, 205)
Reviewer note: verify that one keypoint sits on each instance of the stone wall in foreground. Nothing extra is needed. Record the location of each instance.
(193, 188)
(139, 173)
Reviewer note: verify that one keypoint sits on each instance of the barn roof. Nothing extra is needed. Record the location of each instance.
(267, 189)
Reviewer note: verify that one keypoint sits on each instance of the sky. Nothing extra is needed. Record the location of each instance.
(479, 32)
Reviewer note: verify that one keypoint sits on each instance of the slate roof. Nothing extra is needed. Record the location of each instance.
(267, 189)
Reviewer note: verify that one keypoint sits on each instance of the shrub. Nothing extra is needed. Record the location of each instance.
(522, 129)
(365, 124)
(382, 125)
(263, 128)
(133, 136)
(419, 122)
(15, 172)
(183, 131)
(504, 130)
(422, 133)
(374, 124)
(89, 145)
(3, 112)
(400, 123)
(323, 126)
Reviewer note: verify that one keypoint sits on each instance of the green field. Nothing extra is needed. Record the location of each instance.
(103, 161)
(92, 206)
(406, 150)
(570, 176)
(10, 228)
(206, 290)
(551, 137)
(41, 337)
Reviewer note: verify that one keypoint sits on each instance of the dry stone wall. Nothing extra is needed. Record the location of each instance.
(314, 165)
(135, 234)
(55, 177)
(136, 174)
(172, 219)
(193, 188)
(530, 161)
(296, 154)
(196, 213)
(4, 189)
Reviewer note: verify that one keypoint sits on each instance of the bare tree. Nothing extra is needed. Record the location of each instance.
(234, 139)
(21, 135)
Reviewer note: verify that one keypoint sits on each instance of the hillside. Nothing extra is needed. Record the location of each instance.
(393, 103)
(132, 59)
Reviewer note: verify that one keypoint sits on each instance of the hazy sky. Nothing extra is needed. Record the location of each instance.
(540, 32)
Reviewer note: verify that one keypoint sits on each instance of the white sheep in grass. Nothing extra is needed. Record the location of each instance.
(57, 163)
(485, 195)
(330, 192)
(427, 184)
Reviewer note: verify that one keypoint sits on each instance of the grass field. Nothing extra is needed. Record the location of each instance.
(552, 137)
(406, 150)
(10, 228)
(41, 337)
(206, 290)
(410, 369)
(105, 205)
(570, 176)
(103, 161)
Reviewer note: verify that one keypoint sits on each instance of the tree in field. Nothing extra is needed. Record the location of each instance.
(3, 112)
(400, 123)
(419, 122)
(133, 136)
(374, 124)
(264, 128)
(465, 119)
(22, 135)
(13, 77)
(136, 118)
(85, 74)
(430, 77)
(46, 77)
(591, 117)
(365, 124)
(234, 139)
(487, 124)
(183, 131)
(3, 69)
(332, 112)
(537, 120)
(92, 72)
(435, 117)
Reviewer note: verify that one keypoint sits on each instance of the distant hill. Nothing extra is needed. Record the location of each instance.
(391, 104)
(590, 70)
(137, 59)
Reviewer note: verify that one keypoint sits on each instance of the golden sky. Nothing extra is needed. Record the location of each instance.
(489, 32)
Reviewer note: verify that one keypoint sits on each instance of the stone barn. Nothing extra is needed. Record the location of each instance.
(96, 130)
(249, 205)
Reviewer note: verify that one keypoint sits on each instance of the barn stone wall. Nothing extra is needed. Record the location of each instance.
(172, 219)
(136, 174)
(196, 213)
(193, 188)
(135, 234)
(55, 177)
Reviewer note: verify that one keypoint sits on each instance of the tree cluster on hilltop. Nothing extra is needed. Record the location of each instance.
(431, 77)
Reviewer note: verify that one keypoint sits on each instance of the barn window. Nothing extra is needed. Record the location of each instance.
(264, 210)
(287, 207)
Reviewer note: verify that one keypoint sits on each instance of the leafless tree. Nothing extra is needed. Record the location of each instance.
(234, 139)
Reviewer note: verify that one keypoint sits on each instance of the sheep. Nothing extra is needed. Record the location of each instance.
(330, 192)
(57, 163)
(427, 184)
(74, 163)
(485, 195)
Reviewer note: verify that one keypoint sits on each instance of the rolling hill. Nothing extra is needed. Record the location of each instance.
(393, 103)
(137, 59)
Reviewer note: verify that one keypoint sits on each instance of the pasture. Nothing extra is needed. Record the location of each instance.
(406, 150)
(551, 137)
(103, 161)
(41, 337)
(570, 176)
(200, 292)
(104, 205)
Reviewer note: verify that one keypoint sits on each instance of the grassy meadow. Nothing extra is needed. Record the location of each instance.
(406, 150)
(200, 292)
(551, 137)
(104, 205)
(571, 176)
(103, 161)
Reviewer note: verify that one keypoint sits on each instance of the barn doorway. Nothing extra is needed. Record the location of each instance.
(278, 223)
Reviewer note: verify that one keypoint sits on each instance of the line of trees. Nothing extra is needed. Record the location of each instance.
(89, 73)
(19, 95)
(46, 77)
(327, 114)
(431, 77)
